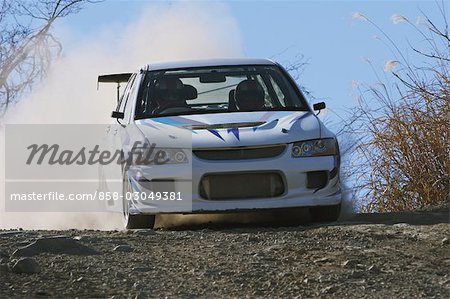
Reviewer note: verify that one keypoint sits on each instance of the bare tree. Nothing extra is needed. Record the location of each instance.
(295, 64)
(27, 45)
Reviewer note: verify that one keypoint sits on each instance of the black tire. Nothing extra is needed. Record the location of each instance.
(325, 213)
(135, 221)
(140, 221)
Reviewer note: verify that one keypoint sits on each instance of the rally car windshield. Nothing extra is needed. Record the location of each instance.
(217, 90)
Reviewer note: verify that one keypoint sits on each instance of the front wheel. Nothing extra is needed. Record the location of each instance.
(140, 221)
(325, 213)
(134, 221)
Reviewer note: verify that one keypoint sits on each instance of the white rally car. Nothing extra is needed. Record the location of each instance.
(222, 135)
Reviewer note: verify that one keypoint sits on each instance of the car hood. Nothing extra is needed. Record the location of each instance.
(237, 128)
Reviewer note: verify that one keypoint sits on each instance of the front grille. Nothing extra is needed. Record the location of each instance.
(225, 186)
(240, 153)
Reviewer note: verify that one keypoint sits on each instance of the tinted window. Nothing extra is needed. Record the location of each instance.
(217, 90)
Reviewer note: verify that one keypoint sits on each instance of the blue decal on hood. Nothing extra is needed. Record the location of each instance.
(267, 126)
(188, 121)
(168, 121)
(177, 121)
(267, 115)
(235, 131)
(148, 123)
(216, 133)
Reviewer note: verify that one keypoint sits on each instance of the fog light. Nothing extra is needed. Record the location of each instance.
(316, 179)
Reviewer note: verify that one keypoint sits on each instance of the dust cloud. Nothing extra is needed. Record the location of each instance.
(68, 95)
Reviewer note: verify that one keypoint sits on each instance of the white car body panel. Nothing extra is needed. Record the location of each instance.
(277, 128)
(234, 130)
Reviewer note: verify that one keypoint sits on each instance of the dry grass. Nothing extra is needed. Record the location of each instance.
(409, 153)
(402, 156)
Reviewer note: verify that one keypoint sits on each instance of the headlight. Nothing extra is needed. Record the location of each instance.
(158, 156)
(316, 147)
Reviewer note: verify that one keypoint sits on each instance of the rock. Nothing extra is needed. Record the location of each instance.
(374, 269)
(356, 274)
(141, 295)
(3, 268)
(26, 265)
(350, 263)
(445, 241)
(401, 225)
(79, 279)
(3, 254)
(273, 248)
(86, 239)
(329, 290)
(141, 269)
(251, 238)
(123, 248)
(322, 260)
(54, 245)
(445, 282)
(43, 294)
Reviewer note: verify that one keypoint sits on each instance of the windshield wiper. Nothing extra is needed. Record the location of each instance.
(215, 111)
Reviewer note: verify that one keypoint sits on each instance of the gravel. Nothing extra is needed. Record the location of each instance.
(369, 256)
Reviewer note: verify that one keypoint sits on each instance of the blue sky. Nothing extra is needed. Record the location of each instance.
(333, 43)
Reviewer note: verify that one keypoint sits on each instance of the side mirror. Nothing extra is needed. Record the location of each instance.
(319, 106)
(117, 114)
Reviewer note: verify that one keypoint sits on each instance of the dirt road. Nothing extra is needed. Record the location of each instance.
(371, 255)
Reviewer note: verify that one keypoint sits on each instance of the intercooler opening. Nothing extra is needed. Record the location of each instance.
(225, 186)
(316, 179)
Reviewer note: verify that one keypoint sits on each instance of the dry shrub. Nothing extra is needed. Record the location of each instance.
(404, 122)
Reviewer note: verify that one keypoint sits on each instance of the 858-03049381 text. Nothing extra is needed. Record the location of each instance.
(97, 195)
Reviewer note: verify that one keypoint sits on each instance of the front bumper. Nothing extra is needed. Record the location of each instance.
(187, 179)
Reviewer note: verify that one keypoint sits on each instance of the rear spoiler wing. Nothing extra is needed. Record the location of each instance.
(114, 78)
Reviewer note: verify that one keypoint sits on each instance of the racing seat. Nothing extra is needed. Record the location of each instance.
(169, 92)
(231, 101)
(249, 96)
